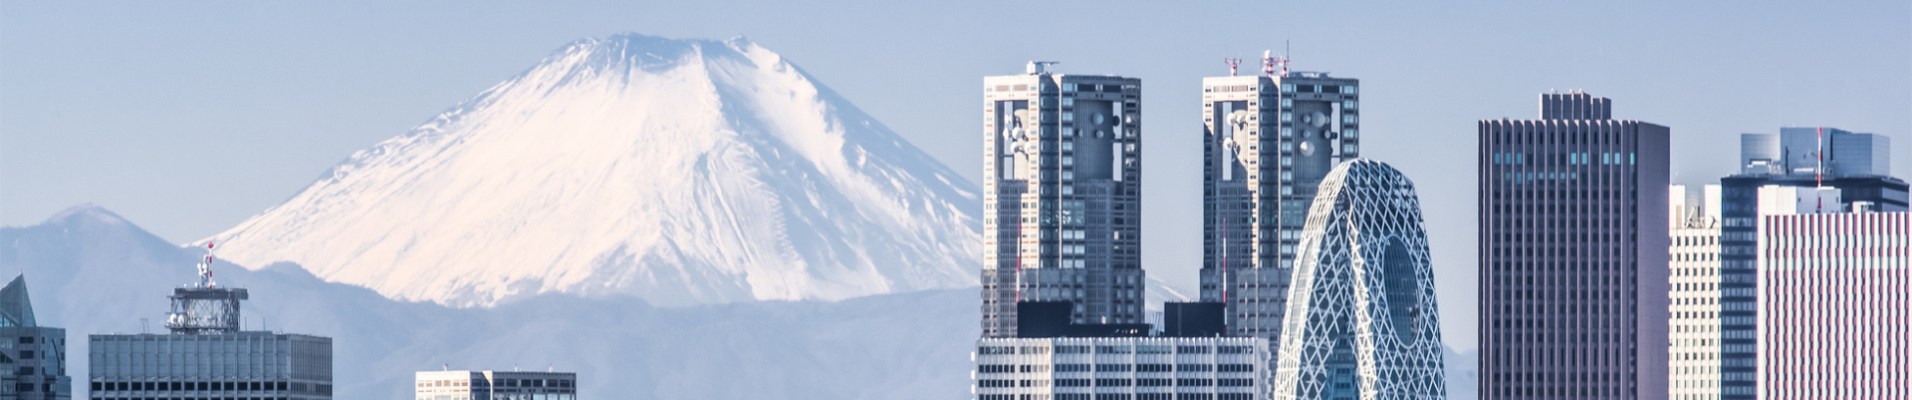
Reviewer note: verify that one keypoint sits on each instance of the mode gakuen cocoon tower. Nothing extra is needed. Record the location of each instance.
(1062, 211)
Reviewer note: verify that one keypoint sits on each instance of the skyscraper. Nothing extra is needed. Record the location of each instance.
(1363, 323)
(1856, 164)
(1835, 291)
(1267, 143)
(1573, 254)
(1062, 167)
(1695, 308)
(207, 356)
(32, 357)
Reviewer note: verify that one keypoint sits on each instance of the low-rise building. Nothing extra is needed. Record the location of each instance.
(495, 385)
(1120, 368)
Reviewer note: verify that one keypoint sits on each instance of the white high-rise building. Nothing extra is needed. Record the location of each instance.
(495, 385)
(1695, 297)
(1835, 305)
(1121, 368)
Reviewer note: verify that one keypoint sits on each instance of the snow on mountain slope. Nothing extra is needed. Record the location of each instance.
(678, 171)
(90, 271)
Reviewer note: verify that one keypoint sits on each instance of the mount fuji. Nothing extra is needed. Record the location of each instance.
(680, 172)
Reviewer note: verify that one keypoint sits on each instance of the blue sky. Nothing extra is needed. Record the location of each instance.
(188, 118)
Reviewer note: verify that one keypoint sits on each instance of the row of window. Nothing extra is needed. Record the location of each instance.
(201, 386)
(1118, 396)
(1116, 382)
(1011, 368)
(1121, 349)
(1606, 158)
(500, 383)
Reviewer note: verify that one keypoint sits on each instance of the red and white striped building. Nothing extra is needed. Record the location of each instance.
(1835, 306)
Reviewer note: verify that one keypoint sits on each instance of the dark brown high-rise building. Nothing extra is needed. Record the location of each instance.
(1573, 254)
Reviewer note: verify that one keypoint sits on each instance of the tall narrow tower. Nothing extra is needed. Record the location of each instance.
(1573, 254)
(1267, 143)
(1062, 162)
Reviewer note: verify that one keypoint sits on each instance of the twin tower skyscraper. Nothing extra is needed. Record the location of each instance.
(1062, 237)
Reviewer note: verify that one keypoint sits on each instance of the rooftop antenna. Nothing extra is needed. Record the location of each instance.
(205, 269)
(1285, 57)
(1268, 61)
(1232, 62)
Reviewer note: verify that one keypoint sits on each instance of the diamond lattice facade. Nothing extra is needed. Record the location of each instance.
(1362, 320)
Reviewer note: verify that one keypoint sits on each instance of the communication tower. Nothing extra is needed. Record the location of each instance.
(202, 307)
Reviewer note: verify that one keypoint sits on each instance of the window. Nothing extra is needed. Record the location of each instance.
(1347, 104)
(1352, 133)
(1287, 132)
(1068, 102)
(26, 339)
(1287, 87)
(26, 354)
(1349, 119)
(1347, 90)
(1287, 103)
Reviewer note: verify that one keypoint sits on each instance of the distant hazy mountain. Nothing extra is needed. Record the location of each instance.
(92, 272)
(678, 171)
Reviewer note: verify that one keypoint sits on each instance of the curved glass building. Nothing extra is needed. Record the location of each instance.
(1361, 320)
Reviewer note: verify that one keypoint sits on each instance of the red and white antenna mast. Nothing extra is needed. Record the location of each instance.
(1268, 61)
(205, 269)
(1232, 62)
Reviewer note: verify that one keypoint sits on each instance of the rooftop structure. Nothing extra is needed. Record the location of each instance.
(207, 355)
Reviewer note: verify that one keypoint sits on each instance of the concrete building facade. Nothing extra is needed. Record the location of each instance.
(1062, 204)
(1573, 254)
(1267, 143)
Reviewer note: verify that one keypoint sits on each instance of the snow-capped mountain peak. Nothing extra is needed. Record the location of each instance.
(679, 171)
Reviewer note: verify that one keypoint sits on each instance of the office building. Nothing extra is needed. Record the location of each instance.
(495, 385)
(1062, 210)
(207, 356)
(1695, 308)
(1856, 164)
(1835, 305)
(1107, 368)
(1573, 254)
(33, 356)
(1267, 142)
(1364, 322)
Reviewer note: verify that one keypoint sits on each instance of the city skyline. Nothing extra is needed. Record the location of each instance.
(192, 170)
